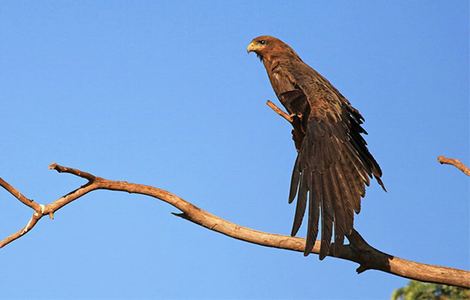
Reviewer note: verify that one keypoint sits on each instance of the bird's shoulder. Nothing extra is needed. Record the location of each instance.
(324, 100)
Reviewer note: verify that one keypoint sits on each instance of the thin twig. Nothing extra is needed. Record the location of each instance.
(31, 223)
(77, 172)
(26, 201)
(279, 111)
(454, 162)
(359, 251)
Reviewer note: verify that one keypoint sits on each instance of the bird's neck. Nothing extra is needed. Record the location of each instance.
(270, 62)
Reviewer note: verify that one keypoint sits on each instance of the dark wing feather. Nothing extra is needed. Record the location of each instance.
(294, 182)
(301, 202)
(333, 164)
(314, 200)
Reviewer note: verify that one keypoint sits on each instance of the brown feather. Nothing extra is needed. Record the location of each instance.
(333, 164)
(301, 202)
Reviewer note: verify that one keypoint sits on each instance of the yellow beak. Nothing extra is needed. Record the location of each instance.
(251, 47)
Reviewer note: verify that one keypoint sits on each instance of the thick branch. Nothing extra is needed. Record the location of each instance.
(455, 162)
(359, 251)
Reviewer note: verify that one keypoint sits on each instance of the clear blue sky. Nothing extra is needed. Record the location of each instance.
(163, 93)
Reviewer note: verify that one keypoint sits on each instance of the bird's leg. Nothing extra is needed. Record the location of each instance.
(298, 133)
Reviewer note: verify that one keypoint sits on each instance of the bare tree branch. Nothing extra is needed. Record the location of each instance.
(73, 171)
(279, 111)
(28, 202)
(455, 162)
(358, 251)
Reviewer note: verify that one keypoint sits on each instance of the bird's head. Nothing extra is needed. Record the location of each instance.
(265, 46)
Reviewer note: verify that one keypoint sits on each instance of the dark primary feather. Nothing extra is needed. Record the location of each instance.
(333, 164)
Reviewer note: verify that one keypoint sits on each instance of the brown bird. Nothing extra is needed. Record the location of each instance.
(333, 164)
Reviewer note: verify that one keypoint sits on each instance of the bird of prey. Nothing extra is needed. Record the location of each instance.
(333, 164)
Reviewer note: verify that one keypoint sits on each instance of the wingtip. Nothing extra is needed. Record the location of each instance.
(291, 199)
(324, 249)
(308, 250)
(294, 231)
(381, 183)
(323, 252)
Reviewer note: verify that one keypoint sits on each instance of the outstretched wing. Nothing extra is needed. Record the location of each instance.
(333, 165)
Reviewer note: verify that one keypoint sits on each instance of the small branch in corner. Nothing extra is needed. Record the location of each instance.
(454, 162)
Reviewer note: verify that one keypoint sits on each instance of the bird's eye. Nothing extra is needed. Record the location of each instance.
(262, 42)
